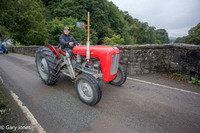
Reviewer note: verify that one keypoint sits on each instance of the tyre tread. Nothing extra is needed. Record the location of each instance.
(54, 69)
(124, 76)
(93, 81)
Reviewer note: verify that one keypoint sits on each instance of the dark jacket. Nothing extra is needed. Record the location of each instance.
(64, 41)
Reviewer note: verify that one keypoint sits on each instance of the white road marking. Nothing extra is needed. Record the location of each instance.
(28, 114)
(155, 84)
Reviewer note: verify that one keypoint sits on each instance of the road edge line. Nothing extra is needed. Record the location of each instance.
(155, 84)
(28, 114)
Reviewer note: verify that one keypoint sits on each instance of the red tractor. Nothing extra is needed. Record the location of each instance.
(89, 64)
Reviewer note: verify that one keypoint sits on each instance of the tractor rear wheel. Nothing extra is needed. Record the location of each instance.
(121, 76)
(88, 89)
(47, 65)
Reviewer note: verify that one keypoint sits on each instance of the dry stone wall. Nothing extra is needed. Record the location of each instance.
(151, 58)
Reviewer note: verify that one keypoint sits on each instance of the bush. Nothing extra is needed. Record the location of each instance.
(24, 21)
(116, 39)
(55, 29)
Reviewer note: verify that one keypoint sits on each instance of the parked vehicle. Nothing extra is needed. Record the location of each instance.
(2, 48)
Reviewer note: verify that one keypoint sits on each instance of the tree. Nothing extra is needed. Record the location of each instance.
(27, 21)
(137, 32)
(106, 20)
(162, 36)
(115, 18)
(194, 35)
(98, 9)
(116, 39)
(180, 40)
(55, 28)
(24, 21)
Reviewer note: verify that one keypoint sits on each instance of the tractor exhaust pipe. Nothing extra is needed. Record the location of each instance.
(81, 25)
(88, 39)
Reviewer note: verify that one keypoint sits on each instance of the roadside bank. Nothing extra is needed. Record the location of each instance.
(12, 118)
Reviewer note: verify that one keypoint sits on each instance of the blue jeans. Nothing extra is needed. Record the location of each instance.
(69, 51)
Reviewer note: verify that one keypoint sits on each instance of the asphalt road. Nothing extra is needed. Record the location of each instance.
(166, 106)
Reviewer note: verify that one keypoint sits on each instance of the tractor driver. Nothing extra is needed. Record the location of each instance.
(67, 42)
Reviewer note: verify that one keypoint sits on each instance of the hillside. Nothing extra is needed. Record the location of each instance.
(42, 21)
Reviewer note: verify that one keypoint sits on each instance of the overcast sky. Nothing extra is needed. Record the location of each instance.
(176, 16)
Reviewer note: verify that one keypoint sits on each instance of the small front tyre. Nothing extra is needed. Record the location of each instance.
(88, 89)
(120, 77)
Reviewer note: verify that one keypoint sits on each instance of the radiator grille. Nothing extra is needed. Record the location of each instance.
(115, 63)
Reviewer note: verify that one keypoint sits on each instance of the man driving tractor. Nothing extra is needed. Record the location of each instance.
(67, 42)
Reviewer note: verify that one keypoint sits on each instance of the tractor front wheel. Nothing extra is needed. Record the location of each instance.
(47, 65)
(121, 76)
(88, 89)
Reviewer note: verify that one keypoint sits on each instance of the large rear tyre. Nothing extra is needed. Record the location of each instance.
(47, 65)
(88, 89)
(121, 76)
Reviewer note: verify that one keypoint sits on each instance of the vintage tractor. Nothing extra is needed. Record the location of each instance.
(88, 66)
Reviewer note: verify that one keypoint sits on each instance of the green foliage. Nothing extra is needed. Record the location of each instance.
(194, 35)
(18, 44)
(36, 22)
(162, 35)
(137, 32)
(4, 32)
(115, 18)
(183, 76)
(194, 81)
(108, 41)
(191, 80)
(55, 29)
(2, 99)
(2, 111)
(116, 39)
(24, 21)
(180, 40)
(106, 20)
(158, 42)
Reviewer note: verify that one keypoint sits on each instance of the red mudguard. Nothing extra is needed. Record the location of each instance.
(53, 49)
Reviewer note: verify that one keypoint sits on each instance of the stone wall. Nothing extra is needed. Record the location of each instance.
(28, 50)
(143, 59)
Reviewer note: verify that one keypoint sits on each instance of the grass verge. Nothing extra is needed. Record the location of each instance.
(183, 77)
(11, 113)
(3, 104)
